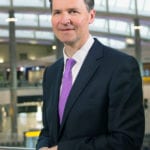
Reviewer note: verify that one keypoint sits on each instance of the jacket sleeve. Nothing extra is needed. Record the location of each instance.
(125, 114)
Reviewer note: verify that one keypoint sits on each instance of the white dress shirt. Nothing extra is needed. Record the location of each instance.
(79, 56)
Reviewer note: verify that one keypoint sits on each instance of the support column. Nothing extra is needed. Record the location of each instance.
(1, 119)
(13, 75)
(60, 45)
(138, 48)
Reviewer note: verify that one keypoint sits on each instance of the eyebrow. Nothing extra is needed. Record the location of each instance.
(68, 9)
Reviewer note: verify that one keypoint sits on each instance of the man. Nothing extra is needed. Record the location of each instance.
(104, 109)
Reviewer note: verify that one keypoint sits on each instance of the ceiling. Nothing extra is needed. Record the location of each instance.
(114, 24)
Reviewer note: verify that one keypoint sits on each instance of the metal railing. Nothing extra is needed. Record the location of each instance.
(6, 84)
(15, 148)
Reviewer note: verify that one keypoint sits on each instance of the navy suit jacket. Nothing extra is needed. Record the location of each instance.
(104, 110)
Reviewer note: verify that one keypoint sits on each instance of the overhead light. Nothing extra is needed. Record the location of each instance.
(54, 47)
(8, 70)
(130, 41)
(32, 57)
(137, 27)
(11, 19)
(33, 42)
(1, 60)
(22, 69)
(37, 68)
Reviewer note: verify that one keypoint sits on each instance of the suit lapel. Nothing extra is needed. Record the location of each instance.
(87, 70)
(55, 117)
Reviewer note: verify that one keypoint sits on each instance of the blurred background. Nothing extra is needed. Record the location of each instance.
(28, 45)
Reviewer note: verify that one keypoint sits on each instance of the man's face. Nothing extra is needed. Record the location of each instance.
(70, 21)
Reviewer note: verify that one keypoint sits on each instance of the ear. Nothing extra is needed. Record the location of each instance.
(92, 16)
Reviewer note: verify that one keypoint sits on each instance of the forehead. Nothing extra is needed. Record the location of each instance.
(68, 3)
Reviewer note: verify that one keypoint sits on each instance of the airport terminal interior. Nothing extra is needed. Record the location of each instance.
(28, 45)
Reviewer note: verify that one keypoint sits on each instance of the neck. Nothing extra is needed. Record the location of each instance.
(71, 49)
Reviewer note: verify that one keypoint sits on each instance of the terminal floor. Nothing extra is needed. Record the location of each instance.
(25, 122)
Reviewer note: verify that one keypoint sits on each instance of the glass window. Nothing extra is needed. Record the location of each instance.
(4, 33)
(5, 3)
(117, 44)
(119, 27)
(140, 5)
(26, 19)
(24, 34)
(100, 5)
(44, 35)
(41, 21)
(47, 4)
(145, 32)
(99, 25)
(3, 17)
(147, 6)
(112, 42)
(29, 3)
(122, 6)
(132, 29)
(144, 7)
(103, 40)
(45, 21)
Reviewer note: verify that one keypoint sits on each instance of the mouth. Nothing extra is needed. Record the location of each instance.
(67, 29)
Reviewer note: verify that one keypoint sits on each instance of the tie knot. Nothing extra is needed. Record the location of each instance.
(70, 63)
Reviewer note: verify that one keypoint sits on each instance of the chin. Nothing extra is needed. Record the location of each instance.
(67, 41)
(66, 38)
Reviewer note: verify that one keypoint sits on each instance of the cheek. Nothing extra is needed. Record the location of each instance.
(54, 22)
(80, 22)
(84, 21)
(83, 24)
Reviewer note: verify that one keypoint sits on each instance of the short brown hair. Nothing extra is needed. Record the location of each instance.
(89, 4)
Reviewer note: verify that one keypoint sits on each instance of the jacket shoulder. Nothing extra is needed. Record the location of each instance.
(115, 55)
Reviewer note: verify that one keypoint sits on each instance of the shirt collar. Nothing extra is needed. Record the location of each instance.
(80, 55)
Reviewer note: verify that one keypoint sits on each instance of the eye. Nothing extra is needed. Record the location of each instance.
(73, 12)
(56, 12)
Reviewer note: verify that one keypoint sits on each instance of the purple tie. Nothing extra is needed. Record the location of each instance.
(66, 86)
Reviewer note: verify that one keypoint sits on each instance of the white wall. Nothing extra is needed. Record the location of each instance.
(5, 94)
(146, 91)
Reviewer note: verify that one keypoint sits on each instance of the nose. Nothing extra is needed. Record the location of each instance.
(65, 19)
